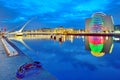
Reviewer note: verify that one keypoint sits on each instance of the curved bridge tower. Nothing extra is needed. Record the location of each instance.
(19, 32)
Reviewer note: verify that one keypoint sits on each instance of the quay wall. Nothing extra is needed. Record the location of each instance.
(8, 48)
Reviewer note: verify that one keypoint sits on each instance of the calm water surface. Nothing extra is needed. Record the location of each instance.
(68, 58)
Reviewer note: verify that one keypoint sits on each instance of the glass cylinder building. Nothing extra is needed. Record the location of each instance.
(99, 22)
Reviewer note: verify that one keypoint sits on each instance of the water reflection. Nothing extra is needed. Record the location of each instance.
(99, 45)
(63, 38)
(70, 57)
(60, 38)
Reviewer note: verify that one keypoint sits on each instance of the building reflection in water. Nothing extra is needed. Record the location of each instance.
(99, 45)
(59, 38)
(62, 38)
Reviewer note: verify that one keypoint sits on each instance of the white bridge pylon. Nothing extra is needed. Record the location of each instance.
(20, 31)
(24, 25)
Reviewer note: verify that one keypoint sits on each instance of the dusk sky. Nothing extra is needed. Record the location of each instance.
(54, 13)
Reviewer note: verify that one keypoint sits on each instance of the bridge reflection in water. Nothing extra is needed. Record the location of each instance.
(97, 45)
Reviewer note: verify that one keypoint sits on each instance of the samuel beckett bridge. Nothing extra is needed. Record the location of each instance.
(99, 24)
(21, 32)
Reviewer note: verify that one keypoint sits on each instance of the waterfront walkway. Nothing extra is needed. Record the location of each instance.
(9, 49)
(9, 66)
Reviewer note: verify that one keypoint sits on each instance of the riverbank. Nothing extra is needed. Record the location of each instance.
(10, 64)
(8, 48)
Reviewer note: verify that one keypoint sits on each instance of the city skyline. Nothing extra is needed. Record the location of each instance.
(50, 14)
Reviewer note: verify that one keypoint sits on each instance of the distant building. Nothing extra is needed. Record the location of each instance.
(63, 30)
(117, 27)
(99, 22)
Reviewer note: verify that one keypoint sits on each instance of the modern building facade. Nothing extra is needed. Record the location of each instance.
(99, 22)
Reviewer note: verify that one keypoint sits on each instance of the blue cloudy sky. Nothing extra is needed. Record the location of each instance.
(53, 13)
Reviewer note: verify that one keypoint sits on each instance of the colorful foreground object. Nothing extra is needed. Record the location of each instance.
(21, 72)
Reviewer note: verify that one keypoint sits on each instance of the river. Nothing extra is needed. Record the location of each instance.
(74, 57)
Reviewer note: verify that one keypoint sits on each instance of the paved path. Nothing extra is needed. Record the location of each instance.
(9, 49)
(9, 65)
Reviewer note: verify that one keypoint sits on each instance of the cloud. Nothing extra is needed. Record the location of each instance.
(36, 7)
(114, 10)
(93, 5)
(33, 7)
(56, 12)
(14, 20)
